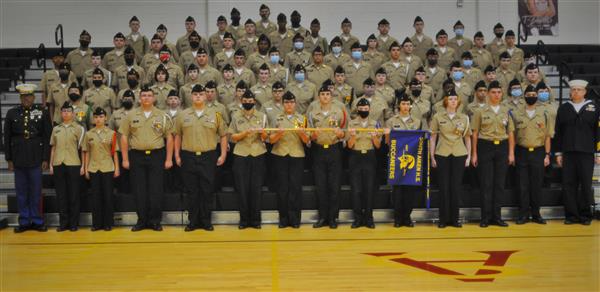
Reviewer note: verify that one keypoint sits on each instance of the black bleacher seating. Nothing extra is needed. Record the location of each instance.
(24, 62)
(12, 74)
(4, 84)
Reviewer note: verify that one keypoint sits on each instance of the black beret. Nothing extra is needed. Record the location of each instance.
(489, 68)
(281, 18)
(264, 66)
(383, 22)
(406, 40)
(478, 34)
(339, 70)
(466, 55)
(210, 84)
(239, 52)
(514, 82)
(498, 25)
(249, 21)
(505, 55)
(431, 52)
(198, 88)
(510, 33)
(298, 36)
(263, 6)
(441, 33)
(315, 22)
(227, 67)
(355, 45)
(84, 32)
(346, 21)
(235, 11)
(192, 67)
(380, 71)
(190, 19)
(295, 13)
(66, 105)
(418, 19)
(97, 71)
(99, 111)
(119, 35)
(369, 82)
(494, 84)
(161, 27)
(227, 35)
(278, 85)
(363, 102)
(128, 93)
(241, 85)
(458, 23)
(299, 68)
(530, 88)
(288, 96)
(156, 37)
(318, 50)
(248, 94)
(173, 92)
(134, 18)
(479, 84)
(221, 18)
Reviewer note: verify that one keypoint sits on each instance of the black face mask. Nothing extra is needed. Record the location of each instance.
(432, 62)
(235, 20)
(132, 83)
(416, 92)
(127, 104)
(74, 97)
(247, 105)
(363, 114)
(531, 100)
(499, 34)
(194, 44)
(295, 22)
(63, 76)
(97, 83)
(129, 61)
(84, 44)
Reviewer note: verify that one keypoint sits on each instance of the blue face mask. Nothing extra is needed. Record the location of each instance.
(274, 59)
(336, 50)
(468, 63)
(356, 55)
(299, 76)
(459, 31)
(543, 96)
(516, 92)
(299, 45)
(457, 75)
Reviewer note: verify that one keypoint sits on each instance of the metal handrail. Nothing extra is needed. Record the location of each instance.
(59, 41)
(40, 56)
(561, 81)
(541, 53)
(521, 36)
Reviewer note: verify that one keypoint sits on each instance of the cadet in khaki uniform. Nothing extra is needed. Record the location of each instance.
(533, 76)
(261, 56)
(144, 134)
(58, 94)
(282, 38)
(421, 42)
(337, 57)
(161, 30)
(185, 92)
(492, 151)
(497, 45)
(161, 89)
(226, 90)
(288, 160)
(247, 132)
(362, 164)
(517, 56)
(384, 40)
(481, 56)
(82, 113)
(346, 38)
(489, 75)
(459, 43)
(530, 60)
(445, 53)
(197, 130)
(240, 71)
(225, 56)
(136, 40)
(96, 64)
(115, 57)
(274, 106)
(262, 89)
(358, 70)
(101, 167)
(514, 96)
(215, 41)
(427, 92)
(295, 27)
(397, 69)
(382, 89)
(318, 72)
(462, 87)
(544, 100)
(451, 156)
(421, 106)
(303, 90)
(183, 42)
(133, 84)
(189, 56)
(53, 76)
(176, 77)
(278, 72)
(152, 57)
(534, 130)
(327, 153)
(372, 55)
(128, 100)
(265, 25)
(205, 71)
(314, 40)
(403, 196)
(378, 108)
(212, 102)
(235, 28)
(100, 95)
(412, 59)
(472, 75)
(66, 168)
(435, 75)
(504, 74)
(480, 99)
(80, 58)
(342, 92)
(120, 79)
(248, 42)
(298, 56)
(236, 105)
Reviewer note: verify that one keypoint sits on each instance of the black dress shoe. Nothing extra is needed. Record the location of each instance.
(483, 224)
(157, 227)
(320, 223)
(208, 227)
(539, 220)
(62, 228)
(457, 224)
(500, 223)
(189, 228)
(397, 224)
(441, 225)
(94, 228)
(295, 226)
(256, 226)
(409, 223)
(138, 227)
(242, 226)
(333, 224)
(40, 227)
(107, 228)
(586, 222)
(282, 225)
(73, 229)
(21, 228)
(520, 221)
(370, 225)
(570, 221)
(355, 224)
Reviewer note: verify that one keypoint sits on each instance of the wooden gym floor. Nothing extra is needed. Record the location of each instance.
(554, 257)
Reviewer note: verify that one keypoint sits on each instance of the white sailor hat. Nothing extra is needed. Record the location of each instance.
(578, 83)
(26, 88)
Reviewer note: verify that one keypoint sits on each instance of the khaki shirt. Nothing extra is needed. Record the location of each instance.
(255, 60)
(474, 107)
(176, 77)
(481, 58)
(112, 59)
(237, 31)
(89, 83)
(495, 47)
(532, 132)
(82, 115)
(397, 73)
(517, 58)
(294, 58)
(347, 42)
(335, 117)
(215, 43)
(233, 108)
(414, 63)
(344, 94)
(334, 61)
(221, 59)
(51, 77)
(375, 59)
(265, 27)
(161, 94)
(220, 108)
(245, 74)
(102, 96)
(226, 93)
(465, 45)
(140, 46)
(436, 79)
(136, 95)
(378, 109)
(363, 141)
(66, 139)
(263, 93)
(119, 79)
(513, 104)
(387, 93)
(493, 126)
(278, 73)
(356, 76)
(209, 73)
(146, 133)
(504, 77)
(117, 118)
(251, 145)
(248, 44)
(310, 44)
(148, 61)
(384, 45)
(199, 133)
(185, 94)
(58, 94)
(186, 59)
(283, 43)
(464, 91)
(272, 109)
(445, 58)
(183, 44)
(420, 109)
(304, 92)
(99, 143)
(472, 76)
(451, 133)
(421, 46)
(80, 62)
(397, 122)
(290, 143)
(317, 74)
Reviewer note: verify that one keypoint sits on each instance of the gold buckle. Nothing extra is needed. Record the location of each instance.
(326, 146)
(496, 142)
(363, 151)
(530, 149)
(148, 152)
(198, 153)
(26, 135)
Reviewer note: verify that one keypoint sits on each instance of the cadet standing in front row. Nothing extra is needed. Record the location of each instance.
(101, 166)
(197, 129)
(148, 130)
(27, 129)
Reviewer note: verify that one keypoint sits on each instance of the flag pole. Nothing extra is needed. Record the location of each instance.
(428, 173)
